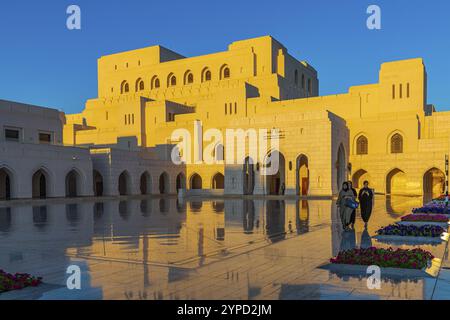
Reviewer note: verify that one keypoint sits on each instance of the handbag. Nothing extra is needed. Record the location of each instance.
(351, 203)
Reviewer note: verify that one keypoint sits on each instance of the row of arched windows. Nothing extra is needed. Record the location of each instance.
(396, 144)
(196, 181)
(188, 78)
(41, 184)
(145, 181)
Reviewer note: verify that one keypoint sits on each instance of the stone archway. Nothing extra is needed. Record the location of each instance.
(218, 181)
(181, 182)
(146, 183)
(396, 182)
(124, 184)
(164, 183)
(433, 183)
(40, 184)
(98, 183)
(195, 182)
(302, 175)
(359, 177)
(73, 184)
(5, 184)
(275, 176)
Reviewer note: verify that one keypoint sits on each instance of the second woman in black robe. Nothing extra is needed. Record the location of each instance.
(365, 198)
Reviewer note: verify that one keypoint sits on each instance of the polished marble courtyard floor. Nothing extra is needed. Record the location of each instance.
(161, 248)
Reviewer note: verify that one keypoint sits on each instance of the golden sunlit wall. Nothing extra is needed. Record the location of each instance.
(384, 132)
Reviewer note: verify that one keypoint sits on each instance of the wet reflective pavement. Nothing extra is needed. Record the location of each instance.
(159, 248)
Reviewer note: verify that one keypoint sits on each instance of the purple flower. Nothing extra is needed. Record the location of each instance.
(411, 230)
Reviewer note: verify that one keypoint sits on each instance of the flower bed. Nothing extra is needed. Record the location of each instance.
(436, 208)
(17, 281)
(385, 258)
(411, 231)
(426, 217)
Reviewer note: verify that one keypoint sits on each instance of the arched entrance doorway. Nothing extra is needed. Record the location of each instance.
(218, 181)
(5, 184)
(164, 183)
(248, 173)
(359, 177)
(40, 184)
(433, 183)
(396, 182)
(124, 184)
(196, 182)
(276, 180)
(181, 182)
(146, 183)
(341, 167)
(302, 175)
(98, 183)
(72, 184)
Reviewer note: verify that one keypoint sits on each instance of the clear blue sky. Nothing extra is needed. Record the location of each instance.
(41, 62)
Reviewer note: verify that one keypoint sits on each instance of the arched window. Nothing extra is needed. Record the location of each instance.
(188, 77)
(397, 143)
(296, 77)
(171, 80)
(362, 145)
(139, 85)
(124, 87)
(155, 83)
(303, 81)
(206, 75)
(224, 72)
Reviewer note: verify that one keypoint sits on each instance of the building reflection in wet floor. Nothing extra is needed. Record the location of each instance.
(213, 249)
